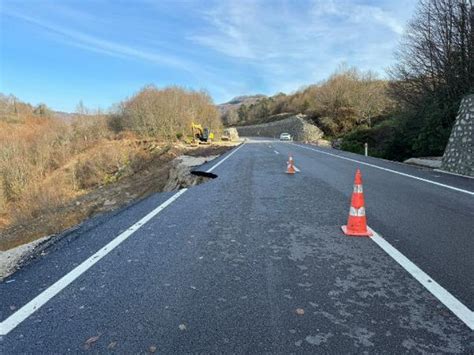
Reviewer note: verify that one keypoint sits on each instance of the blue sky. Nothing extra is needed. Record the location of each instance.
(100, 52)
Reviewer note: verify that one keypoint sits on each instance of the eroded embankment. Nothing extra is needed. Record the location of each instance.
(171, 171)
(182, 175)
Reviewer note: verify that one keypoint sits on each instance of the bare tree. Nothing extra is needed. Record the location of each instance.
(436, 58)
(168, 113)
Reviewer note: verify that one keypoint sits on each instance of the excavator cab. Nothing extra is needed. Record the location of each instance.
(205, 135)
(201, 134)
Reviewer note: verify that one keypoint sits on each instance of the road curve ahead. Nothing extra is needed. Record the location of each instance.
(255, 261)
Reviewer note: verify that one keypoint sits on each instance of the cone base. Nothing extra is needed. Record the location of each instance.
(368, 233)
(290, 172)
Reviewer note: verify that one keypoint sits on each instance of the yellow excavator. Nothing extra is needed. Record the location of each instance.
(203, 135)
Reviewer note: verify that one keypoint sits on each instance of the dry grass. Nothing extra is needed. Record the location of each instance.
(79, 188)
(50, 210)
(54, 173)
(46, 163)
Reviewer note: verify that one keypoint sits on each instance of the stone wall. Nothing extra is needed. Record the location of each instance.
(459, 154)
(299, 128)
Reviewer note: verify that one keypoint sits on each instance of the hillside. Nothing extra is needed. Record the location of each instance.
(228, 110)
(57, 168)
(355, 107)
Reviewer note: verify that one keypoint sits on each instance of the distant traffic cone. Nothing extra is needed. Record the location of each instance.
(357, 223)
(290, 169)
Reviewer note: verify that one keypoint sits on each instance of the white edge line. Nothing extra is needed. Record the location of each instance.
(389, 170)
(7, 325)
(24, 312)
(225, 158)
(446, 298)
(296, 169)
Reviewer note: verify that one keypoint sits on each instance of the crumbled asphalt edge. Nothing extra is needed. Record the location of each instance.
(68, 235)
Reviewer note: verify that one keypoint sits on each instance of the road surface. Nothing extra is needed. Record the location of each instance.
(254, 261)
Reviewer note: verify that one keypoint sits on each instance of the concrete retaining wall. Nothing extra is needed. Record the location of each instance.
(459, 154)
(299, 128)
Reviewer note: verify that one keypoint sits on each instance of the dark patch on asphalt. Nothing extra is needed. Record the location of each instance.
(204, 174)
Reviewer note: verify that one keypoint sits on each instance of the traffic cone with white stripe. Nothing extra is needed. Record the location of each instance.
(357, 222)
(290, 169)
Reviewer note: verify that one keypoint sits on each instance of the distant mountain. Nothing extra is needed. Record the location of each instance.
(239, 100)
(66, 116)
(245, 99)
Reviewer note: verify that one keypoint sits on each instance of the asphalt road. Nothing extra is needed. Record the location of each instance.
(254, 261)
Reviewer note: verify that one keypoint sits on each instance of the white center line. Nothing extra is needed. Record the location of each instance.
(389, 170)
(36, 303)
(296, 169)
(446, 298)
(276, 152)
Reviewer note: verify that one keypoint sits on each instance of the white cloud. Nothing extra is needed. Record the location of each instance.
(233, 47)
(288, 45)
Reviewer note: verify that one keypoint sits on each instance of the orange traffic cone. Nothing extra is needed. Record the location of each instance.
(357, 223)
(290, 169)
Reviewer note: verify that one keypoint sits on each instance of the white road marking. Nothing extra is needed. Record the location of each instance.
(24, 312)
(446, 298)
(36, 303)
(254, 141)
(389, 170)
(296, 169)
(276, 152)
(224, 159)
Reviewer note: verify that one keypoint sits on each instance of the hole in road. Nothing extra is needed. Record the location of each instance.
(204, 174)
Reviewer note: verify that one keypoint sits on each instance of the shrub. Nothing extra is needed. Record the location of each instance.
(162, 113)
(379, 139)
(38, 201)
(101, 166)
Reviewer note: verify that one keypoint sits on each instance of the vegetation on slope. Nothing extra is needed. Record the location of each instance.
(347, 99)
(47, 162)
(412, 113)
(165, 114)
